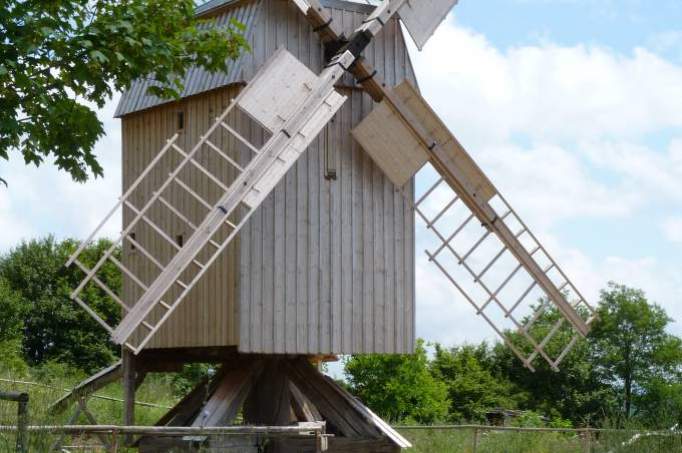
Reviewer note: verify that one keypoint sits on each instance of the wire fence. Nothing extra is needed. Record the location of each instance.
(48, 432)
(509, 439)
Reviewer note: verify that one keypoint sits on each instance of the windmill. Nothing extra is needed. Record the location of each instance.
(228, 258)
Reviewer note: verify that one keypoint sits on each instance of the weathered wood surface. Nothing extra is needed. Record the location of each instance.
(392, 146)
(282, 392)
(323, 266)
(88, 386)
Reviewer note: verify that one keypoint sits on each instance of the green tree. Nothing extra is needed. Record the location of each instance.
(54, 327)
(58, 57)
(398, 387)
(574, 392)
(11, 327)
(472, 387)
(630, 346)
(11, 313)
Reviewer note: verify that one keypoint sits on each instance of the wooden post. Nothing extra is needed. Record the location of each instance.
(269, 402)
(22, 418)
(22, 423)
(587, 439)
(129, 380)
(114, 442)
(475, 443)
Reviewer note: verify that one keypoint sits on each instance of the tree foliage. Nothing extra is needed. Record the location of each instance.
(53, 327)
(473, 388)
(59, 57)
(574, 392)
(628, 346)
(631, 349)
(398, 387)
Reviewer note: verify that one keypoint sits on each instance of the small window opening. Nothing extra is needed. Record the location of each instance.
(329, 153)
(181, 121)
(180, 240)
(132, 244)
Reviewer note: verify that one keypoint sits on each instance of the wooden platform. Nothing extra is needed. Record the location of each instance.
(274, 391)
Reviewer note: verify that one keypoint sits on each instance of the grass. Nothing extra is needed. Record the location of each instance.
(157, 389)
(462, 441)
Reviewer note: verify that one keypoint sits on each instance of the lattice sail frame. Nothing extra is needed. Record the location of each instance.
(301, 104)
(402, 134)
(492, 280)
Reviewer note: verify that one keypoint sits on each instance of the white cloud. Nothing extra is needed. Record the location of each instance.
(41, 201)
(546, 92)
(657, 173)
(565, 134)
(672, 228)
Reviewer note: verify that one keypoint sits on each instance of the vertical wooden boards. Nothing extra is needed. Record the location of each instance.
(349, 232)
(323, 266)
(208, 318)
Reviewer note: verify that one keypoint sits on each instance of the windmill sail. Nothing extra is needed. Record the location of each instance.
(493, 246)
(292, 104)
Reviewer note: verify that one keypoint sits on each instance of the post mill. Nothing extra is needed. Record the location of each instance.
(268, 222)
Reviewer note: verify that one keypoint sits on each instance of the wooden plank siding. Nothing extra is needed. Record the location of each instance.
(323, 266)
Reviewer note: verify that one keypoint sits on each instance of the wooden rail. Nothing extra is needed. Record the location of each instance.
(300, 429)
(311, 430)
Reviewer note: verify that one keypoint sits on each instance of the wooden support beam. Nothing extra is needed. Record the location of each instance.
(339, 407)
(88, 387)
(129, 378)
(337, 411)
(229, 394)
(269, 402)
(172, 359)
(305, 410)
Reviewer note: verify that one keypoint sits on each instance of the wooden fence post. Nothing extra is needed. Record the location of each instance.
(475, 443)
(22, 423)
(22, 418)
(588, 440)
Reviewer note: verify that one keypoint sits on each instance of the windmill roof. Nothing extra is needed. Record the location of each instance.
(198, 80)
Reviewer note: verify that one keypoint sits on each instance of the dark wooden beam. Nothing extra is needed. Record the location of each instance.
(269, 402)
(338, 411)
(173, 359)
(129, 379)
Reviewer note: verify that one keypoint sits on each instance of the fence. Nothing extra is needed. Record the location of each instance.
(509, 439)
(22, 418)
(453, 438)
(110, 436)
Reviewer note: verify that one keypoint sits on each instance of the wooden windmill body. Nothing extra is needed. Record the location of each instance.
(325, 266)
(269, 221)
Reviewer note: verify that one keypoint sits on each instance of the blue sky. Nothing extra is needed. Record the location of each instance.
(572, 106)
(619, 24)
